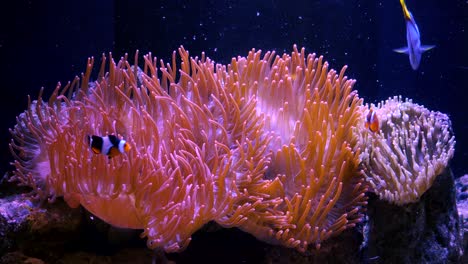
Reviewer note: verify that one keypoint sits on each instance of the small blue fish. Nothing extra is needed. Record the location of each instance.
(414, 49)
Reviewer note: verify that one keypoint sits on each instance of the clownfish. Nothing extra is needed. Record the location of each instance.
(372, 122)
(109, 145)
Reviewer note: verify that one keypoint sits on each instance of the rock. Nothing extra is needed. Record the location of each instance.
(18, 257)
(42, 232)
(462, 203)
(344, 248)
(128, 255)
(427, 231)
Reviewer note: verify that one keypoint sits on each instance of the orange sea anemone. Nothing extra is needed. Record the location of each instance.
(265, 144)
(309, 112)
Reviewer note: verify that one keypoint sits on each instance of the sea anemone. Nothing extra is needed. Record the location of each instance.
(265, 144)
(413, 146)
(309, 113)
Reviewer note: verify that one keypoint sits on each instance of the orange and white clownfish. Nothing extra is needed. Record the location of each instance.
(372, 122)
(109, 145)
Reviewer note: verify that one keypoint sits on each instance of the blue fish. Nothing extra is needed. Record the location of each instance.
(414, 48)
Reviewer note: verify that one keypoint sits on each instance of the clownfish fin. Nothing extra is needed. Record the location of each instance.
(113, 151)
(96, 150)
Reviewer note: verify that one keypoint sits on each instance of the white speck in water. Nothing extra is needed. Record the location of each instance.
(258, 13)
